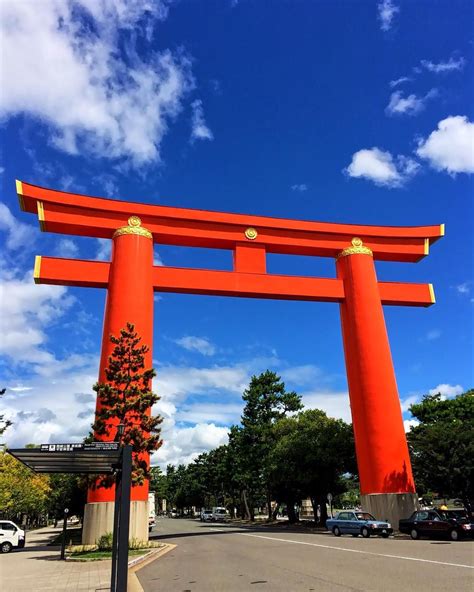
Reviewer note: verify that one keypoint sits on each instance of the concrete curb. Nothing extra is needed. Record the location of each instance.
(136, 564)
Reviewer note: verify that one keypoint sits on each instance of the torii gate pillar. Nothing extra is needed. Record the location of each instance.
(387, 487)
(129, 299)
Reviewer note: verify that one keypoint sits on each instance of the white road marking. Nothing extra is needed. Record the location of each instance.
(354, 550)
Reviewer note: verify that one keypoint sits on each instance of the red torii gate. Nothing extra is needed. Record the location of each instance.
(386, 481)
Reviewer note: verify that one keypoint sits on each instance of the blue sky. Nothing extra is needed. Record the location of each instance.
(356, 112)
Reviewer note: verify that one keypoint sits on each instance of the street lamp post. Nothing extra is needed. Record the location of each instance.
(63, 542)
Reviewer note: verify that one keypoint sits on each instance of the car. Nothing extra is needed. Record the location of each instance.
(11, 536)
(356, 523)
(219, 514)
(433, 523)
(206, 516)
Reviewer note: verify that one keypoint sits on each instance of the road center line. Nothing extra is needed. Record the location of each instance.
(354, 550)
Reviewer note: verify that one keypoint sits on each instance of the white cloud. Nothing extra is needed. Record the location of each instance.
(410, 423)
(443, 67)
(199, 344)
(199, 129)
(104, 249)
(305, 375)
(108, 185)
(67, 248)
(27, 309)
(52, 410)
(221, 412)
(450, 148)
(447, 390)
(18, 235)
(183, 445)
(409, 105)
(335, 404)
(386, 11)
(398, 81)
(433, 334)
(380, 167)
(299, 187)
(407, 402)
(464, 288)
(157, 260)
(95, 97)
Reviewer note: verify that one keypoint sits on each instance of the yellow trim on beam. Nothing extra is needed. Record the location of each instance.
(39, 205)
(432, 294)
(441, 229)
(19, 192)
(37, 270)
(427, 246)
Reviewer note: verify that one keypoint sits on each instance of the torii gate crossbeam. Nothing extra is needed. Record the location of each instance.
(386, 481)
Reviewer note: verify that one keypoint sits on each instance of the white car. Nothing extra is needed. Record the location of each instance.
(10, 536)
(219, 514)
(206, 516)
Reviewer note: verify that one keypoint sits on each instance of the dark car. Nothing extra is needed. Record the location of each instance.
(432, 523)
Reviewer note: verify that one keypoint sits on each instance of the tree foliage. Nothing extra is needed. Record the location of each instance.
(126, 399)
(442, 446)
(311, 453)
(23, 493)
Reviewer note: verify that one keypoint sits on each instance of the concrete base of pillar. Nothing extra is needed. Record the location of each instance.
(390, 506)
(99, 519)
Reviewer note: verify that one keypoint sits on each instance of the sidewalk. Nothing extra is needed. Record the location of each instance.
(37, 568)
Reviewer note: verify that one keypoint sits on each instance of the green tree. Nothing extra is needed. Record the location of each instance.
(126, 399)
(442, 446)
(23, 493)
(266, 401)
(158, 485)
(67, 491)
(310, 456)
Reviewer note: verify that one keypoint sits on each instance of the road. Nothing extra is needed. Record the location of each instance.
(224, 558)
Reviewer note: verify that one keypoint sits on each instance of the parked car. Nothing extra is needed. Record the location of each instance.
(356, 523)
(433, 523)
(11, 536)
(219, 514)
(206, 516)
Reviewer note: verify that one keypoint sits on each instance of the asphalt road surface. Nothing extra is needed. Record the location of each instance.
(223, 558)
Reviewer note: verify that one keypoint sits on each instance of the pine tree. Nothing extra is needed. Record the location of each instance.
(266, 401)
(126, 399)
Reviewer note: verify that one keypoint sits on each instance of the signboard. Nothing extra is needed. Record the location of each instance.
(73, 446)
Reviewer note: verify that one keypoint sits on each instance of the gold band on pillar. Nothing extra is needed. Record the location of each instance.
(356, 249)
(134, 227)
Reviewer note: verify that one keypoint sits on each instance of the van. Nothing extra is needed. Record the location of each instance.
(10, 536)
(219, 514)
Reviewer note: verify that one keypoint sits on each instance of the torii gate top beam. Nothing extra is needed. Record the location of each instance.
(69, 213)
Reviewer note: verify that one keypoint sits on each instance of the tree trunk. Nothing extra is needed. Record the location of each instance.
(290, 507)
(324, 512)
(269, 504)
(314, 505)
(275, 511)
(248, 514)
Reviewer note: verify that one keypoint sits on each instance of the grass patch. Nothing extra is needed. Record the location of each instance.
(100, 555)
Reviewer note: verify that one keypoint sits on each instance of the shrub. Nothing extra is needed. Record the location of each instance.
(105, 542)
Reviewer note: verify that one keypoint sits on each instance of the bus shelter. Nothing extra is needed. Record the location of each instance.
(97, 458)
